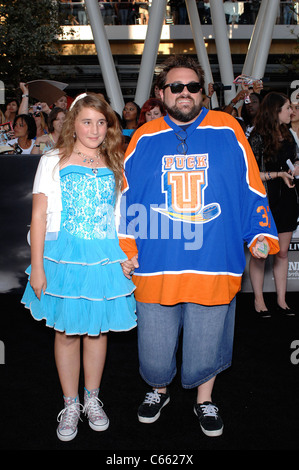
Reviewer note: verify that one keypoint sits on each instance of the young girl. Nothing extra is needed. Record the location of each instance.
(75, 279)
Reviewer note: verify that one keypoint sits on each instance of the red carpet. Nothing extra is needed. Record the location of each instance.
(258, 396)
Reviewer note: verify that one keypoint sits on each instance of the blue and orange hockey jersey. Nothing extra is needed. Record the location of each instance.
(188, 216)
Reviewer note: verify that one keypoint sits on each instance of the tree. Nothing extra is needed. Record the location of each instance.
(28, 39)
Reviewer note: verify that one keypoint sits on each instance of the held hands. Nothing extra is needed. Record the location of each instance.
(261, 248)
(129, 265)
(38, 281)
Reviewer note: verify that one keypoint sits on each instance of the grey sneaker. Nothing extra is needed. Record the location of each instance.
(68, 419)
(93, 408)
(149, 411)
(210, 422)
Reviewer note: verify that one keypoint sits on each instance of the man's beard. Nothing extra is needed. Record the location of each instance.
(180, 115)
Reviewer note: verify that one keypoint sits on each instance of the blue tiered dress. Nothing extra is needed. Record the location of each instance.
(87, 292)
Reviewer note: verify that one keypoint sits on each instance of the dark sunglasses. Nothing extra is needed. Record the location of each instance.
(192, 87)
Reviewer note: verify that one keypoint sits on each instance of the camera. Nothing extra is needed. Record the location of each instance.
(18, 149)
(218, 86)
(36, 108)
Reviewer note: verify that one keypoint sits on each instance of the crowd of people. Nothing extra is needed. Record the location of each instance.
(96, 268)
(31, 128)
(34, 129)
(270, 124)
(130, 12)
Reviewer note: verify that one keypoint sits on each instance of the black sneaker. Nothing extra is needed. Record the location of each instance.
(209, 419)
(149, 411)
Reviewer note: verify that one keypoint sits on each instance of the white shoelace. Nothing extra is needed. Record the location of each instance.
(209, 410)
(152, 397)
(93, 408)
(69, 416)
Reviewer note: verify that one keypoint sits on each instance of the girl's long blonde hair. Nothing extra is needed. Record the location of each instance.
(112, 146)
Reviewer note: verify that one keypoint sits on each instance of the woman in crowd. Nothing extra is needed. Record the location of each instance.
(48, 141)
(130, 117)
(61, 103)
(249, 111)
(152, 109)
(24, 134)
(11, 110)
(273, 144)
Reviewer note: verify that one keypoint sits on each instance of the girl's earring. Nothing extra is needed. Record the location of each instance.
(74, 135)
(103, 144)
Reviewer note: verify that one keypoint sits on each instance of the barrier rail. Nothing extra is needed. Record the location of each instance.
(116, 13)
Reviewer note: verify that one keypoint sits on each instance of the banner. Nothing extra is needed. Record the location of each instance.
(16, 181)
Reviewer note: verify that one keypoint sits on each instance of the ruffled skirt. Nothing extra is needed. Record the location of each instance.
(87, 292)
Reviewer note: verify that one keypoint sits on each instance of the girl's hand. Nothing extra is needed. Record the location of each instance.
(129, 265)
(38, 281)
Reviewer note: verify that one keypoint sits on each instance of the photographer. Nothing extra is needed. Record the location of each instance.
(24, 106)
